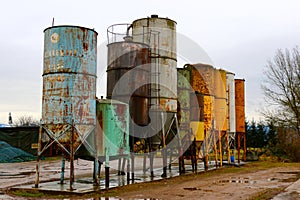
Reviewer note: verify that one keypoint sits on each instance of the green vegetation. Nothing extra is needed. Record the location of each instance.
(281, 88)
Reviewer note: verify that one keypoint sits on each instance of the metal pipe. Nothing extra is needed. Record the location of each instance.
(245, 148)
(119, 166)
(239, 146)
(106, 177)
(145, 162)
(206, 151)
(96, 171)
(215, 149)
(220, 148)
(164, 152)
(123, 166)
(151, 158)
(106, 167)
(128, 169)
(72, 157)
(132, 167)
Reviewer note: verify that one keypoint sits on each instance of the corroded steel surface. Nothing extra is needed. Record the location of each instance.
(128, 77)
(202, 79)
(69, 83)
(160, 35)
(240, 105)
(113, 127)
(152, 26)
(209, 112)
(184, 109)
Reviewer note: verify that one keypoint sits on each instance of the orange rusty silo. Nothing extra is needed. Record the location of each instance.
(240, 105)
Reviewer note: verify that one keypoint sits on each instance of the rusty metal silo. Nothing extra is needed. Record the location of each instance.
(221, 109)
(69, 86)
(203, 82)
(240, 115)
(128, 68)
(160, 34)
(240, 105)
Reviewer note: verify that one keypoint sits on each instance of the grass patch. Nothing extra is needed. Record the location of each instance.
(25, 193)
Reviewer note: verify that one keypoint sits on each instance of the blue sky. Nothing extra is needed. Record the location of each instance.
(239, 36)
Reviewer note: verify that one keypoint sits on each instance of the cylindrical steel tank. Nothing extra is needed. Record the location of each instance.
(112, 132)
(184, 90)
(240, 105)
(203, 79)
(69, 83)
(202, 82)
(221, 109)
(230, 88)
(128, 77)
(160, 35)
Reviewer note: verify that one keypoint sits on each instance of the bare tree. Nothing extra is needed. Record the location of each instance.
(26, 120)
(282, 89)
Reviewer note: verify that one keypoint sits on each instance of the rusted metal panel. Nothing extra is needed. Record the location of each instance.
(231, 101)
(128, 69)
(183, 78)
(160, 35)
(184, 98)
(112, 132)
(69, 83)
(139, 110)
(202, 79)
(168, 105)
(154, 26)
(113, 118)
(184, 109)
(128, 77)
(240, 105)
(209, 112)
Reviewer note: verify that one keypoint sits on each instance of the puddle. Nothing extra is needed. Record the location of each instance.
(291, 179)
(237, 180)
(195, 188)
(17, 174)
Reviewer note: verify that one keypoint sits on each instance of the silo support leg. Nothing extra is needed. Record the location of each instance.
(62, 175)
(132, 167)
(123, 166)
(37, 175)
(107, 168)
(151, 155)
(128, 169)
(96, 172)
(145, 162)
(119, 166)
(164, 154)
